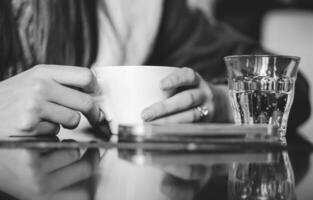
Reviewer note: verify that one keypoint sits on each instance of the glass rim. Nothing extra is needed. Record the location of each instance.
(297, 58)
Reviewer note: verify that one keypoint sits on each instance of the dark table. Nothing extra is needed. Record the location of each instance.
(86, 167)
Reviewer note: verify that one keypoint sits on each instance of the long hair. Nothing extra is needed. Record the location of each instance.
(59, 32)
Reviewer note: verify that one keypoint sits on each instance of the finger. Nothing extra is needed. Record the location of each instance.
(76, 100)
(188, 116)
(179, 102)
(47, 128)
(67, 117)
(180, 78)
(79, 77)
(58, 159)
(74, 173)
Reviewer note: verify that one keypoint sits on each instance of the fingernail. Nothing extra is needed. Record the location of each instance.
(166, 84)
(147, 116)
(101, 116)
(104, 117)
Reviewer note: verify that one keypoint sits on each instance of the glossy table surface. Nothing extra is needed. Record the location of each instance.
(86, 167)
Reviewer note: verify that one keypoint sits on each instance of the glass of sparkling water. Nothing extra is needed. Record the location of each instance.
(261, 88)
(273, 180)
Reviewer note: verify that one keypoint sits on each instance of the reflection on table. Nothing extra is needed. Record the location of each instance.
(130, 172)
(48, 174)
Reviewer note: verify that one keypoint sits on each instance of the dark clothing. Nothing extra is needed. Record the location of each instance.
(186, 38)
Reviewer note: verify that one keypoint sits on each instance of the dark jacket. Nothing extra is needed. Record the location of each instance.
(187, 38)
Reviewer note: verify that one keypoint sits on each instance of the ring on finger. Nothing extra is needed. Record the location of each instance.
(204, 111)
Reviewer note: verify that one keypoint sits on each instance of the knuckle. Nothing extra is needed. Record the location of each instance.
(39, 87)
(190, 99)
(28, 122)
(191, 75)
(32, 107)
(187, 70)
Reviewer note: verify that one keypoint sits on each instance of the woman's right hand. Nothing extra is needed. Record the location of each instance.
(44, 97)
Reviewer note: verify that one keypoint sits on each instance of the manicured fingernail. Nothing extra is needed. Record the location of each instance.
(166, 84)
(147, 115)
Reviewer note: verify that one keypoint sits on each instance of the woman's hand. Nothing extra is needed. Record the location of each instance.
(51, 174)
(195, 101)
(41, 99)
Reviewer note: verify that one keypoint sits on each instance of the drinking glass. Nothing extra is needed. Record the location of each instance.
(262, 181)
(261, 88)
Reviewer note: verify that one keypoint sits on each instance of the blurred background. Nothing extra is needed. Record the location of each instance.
(281, 26)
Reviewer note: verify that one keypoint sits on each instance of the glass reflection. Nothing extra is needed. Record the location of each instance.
(268, 181)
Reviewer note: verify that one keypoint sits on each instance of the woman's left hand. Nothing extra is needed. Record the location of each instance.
(194, 101)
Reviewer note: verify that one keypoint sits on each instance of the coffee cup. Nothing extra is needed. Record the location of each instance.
(127, 90)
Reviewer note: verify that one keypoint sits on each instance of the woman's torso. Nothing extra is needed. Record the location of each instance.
(76, 32)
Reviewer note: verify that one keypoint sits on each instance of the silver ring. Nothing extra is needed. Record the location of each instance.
(204, 111)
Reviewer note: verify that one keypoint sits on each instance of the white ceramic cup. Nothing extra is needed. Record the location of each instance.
(127, 90)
